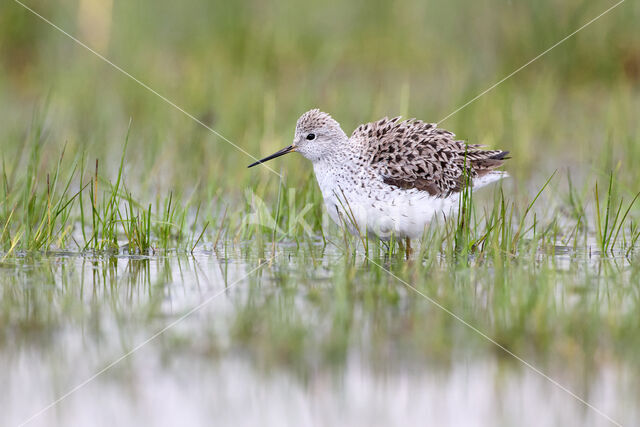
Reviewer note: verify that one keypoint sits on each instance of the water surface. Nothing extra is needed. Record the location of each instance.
(308, 338)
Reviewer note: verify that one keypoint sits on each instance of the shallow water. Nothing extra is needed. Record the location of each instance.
(293, 343)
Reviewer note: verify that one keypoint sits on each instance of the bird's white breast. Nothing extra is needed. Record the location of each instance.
(365, 204)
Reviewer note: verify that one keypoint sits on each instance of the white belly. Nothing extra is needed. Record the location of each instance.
(382, 210)
(402, 213)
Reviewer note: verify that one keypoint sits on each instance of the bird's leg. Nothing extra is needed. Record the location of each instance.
(407, 247)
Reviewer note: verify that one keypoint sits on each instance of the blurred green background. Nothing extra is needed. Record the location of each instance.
(250, 68)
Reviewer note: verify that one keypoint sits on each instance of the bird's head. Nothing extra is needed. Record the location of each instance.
(317, 135)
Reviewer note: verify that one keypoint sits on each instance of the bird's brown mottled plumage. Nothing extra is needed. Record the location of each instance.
(392, 176)
(414, 154)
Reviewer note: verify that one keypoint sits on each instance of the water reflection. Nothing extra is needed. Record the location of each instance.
(339, 343)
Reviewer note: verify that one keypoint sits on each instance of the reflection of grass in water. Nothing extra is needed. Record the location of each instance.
(577, 315)
(573, 316)
(534, 278)
(558, 319)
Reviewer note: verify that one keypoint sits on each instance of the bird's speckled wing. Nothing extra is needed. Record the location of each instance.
(414, 154)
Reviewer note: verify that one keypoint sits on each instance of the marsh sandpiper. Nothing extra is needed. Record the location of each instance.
(392, 176)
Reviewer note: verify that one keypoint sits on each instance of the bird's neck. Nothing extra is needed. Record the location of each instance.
(333, 168)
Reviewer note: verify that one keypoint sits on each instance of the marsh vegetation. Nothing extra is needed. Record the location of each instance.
(119, 215)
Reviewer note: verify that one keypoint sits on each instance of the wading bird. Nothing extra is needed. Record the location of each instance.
(392, 176)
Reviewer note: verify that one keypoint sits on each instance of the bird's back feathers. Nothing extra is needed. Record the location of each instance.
(414, 154)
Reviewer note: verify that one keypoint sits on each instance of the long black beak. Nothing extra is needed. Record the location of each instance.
(274, 155)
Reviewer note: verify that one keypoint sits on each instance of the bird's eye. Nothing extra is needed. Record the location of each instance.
(311, 136)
